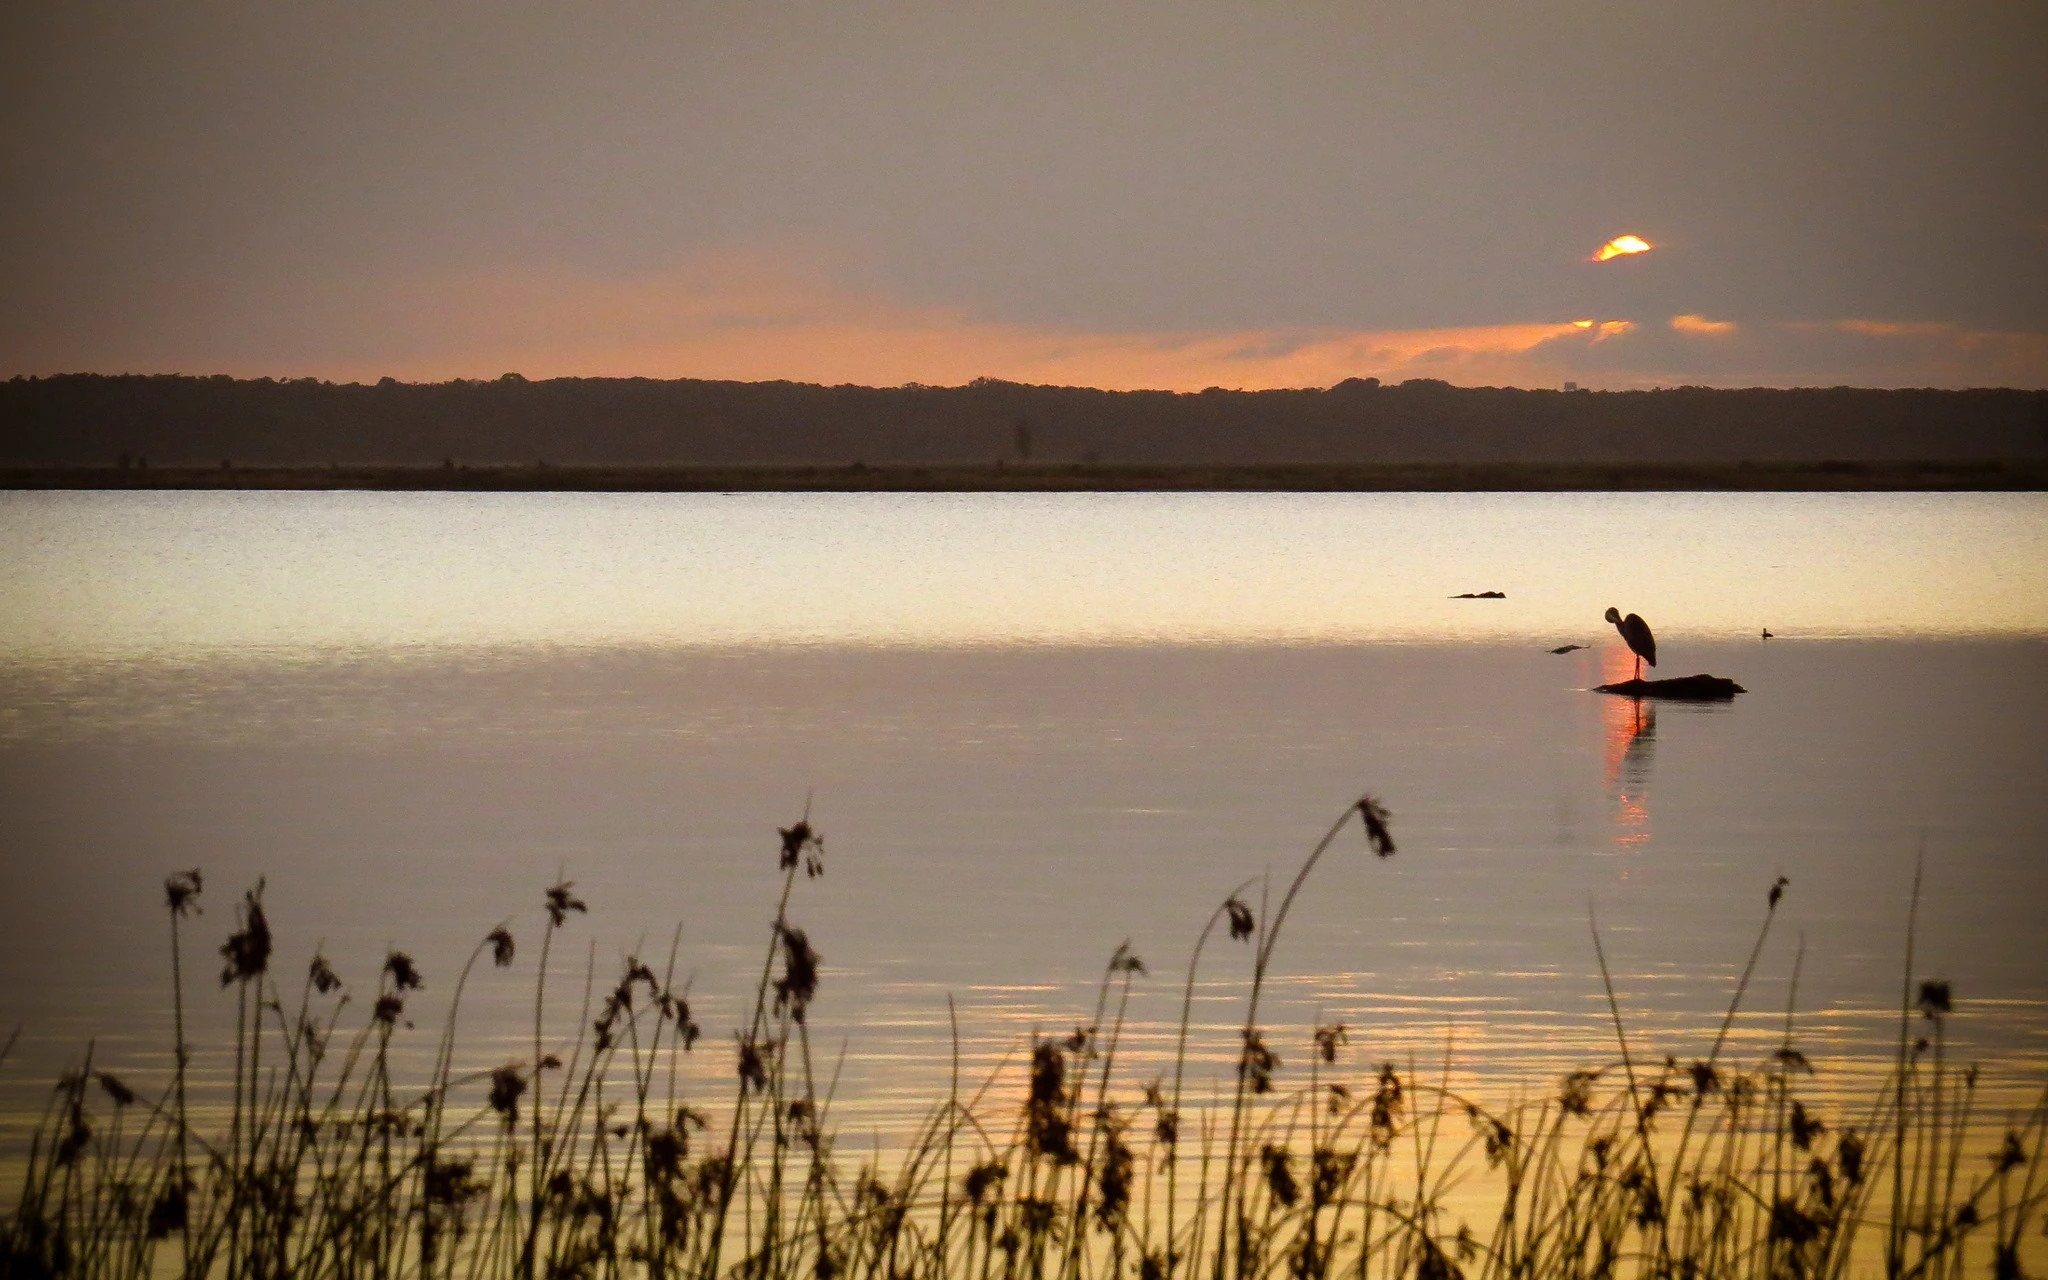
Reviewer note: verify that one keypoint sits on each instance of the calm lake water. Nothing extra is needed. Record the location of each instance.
(1032, 727)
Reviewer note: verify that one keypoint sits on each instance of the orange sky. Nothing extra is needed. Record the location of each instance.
(784, 313)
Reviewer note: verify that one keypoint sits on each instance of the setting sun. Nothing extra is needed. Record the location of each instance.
(1621, 246)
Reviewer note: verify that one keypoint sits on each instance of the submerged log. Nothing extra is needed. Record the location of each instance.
(1700, 688)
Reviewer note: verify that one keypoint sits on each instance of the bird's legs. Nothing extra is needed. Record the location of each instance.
(1639, 666)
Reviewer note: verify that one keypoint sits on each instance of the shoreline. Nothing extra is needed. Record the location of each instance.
(1410, 477)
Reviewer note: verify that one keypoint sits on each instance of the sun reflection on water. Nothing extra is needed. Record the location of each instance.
(1629, 733)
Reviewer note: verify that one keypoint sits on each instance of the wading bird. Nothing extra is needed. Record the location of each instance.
(1637, 632)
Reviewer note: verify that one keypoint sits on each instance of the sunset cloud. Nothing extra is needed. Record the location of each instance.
(758, 316)
(781, 313)
(1621, 247)
(1854, 352)
(1888, 329)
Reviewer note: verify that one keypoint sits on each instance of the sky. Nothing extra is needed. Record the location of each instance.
(1137, 193)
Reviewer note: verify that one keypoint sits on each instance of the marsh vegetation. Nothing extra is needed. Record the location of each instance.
(600, 1155)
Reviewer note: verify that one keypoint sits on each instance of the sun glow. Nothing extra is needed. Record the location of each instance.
(1621, 246)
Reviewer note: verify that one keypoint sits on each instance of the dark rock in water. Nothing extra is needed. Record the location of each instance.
(1701, 688)
(1567, 648)
(1481, 595)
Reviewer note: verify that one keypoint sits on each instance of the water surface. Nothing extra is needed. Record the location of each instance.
(125, 572)
(1032, 727)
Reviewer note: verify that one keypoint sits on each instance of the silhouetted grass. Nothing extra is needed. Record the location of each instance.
(323, 1164)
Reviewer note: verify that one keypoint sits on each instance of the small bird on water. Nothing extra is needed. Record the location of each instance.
(1767, 633)
(1637, 633)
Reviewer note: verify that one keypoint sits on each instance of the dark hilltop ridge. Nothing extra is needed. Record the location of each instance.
(493, 432)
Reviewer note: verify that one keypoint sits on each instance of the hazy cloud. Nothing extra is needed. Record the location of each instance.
(778, 313)
(1700, 324)
(1693, 350)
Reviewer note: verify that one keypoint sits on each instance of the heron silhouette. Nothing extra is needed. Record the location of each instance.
(1637, 633)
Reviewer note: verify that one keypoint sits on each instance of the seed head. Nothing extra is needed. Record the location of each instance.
(799, 981)
(1823, 1180)
(2011, 1155)
(1113, 1181)
(247, 951)
(450, 1183)
(751, 1070)
(1705, 1079)
(1375, 816)
(1047, 1131)
(1849, 1157)
(1331, 1170)
(1048, 1075)
(1649, 1201)
(181, 893)
(507, 1086)
(1778, 891)
(982, 1177)
(321, 974)
(1805, 1127)
(1577, 1094)
(1280, 1182)
(501, 946)
(678, 1009)
(1792, 1060)
(1166, 1130)
(560, 902)
(1242, 926)
(404, 977)
(1327, 1040)
(1936, 999)
(1258, 1063)
(1387, 1101)
(119, 1092)
(167, 1214)
(1792, 1225)
(1500, 1140)
(799, 840)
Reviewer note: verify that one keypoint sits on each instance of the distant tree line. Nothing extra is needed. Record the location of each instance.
(102, 420)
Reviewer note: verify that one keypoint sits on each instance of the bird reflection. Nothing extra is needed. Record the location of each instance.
(1629, 727)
